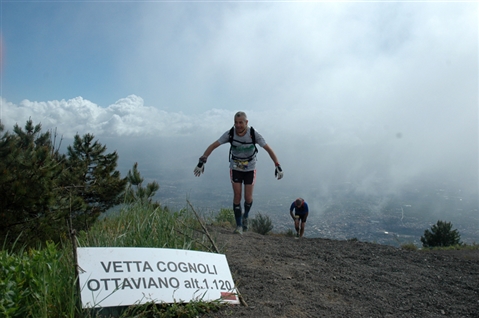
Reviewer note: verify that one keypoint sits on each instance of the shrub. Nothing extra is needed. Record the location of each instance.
(409, 246)
(261, 224)
(290, 233)
(225, 216)
(441, 235)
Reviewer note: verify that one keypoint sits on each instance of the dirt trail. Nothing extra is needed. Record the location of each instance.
(281, 276)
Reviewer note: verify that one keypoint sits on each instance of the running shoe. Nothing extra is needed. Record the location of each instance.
(239, 230)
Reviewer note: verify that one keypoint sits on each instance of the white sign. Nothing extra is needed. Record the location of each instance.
(112, 276)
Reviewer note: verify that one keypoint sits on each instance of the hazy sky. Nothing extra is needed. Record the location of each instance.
(364, 92)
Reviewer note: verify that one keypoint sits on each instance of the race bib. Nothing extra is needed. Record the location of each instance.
(240, 164)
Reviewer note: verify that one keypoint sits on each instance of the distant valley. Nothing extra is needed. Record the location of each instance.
(390, 219)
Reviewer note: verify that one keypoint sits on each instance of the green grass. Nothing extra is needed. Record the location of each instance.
(143, 225)
(225, 217)
(41, 282)
(37, 283)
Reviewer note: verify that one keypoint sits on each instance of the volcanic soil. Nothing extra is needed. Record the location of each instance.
(279, 276)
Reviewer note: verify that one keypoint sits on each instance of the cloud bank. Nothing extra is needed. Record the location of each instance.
(128, 117)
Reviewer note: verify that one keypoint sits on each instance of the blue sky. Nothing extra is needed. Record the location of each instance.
(350, 91)
(61, 50)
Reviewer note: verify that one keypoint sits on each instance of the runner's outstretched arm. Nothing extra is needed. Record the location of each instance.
(200, 167)
(210, 148)
(271, 154)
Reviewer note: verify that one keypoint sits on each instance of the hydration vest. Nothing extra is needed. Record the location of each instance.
(253, 138)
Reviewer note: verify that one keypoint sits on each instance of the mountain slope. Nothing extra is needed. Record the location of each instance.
(281, 276)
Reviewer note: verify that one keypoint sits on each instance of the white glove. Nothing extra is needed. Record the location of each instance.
(200, 167)
(278, 172)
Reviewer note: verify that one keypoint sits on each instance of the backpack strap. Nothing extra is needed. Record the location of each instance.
(231, 134)
(253, 137)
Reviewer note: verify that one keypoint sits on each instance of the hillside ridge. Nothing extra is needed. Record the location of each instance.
(279, 276)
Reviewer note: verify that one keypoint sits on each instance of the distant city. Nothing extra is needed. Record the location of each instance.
(384, 219)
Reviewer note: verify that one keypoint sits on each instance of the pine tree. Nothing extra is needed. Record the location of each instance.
(441, 235)
(135, 192)
(44, 192)
(28, 175)
(92, 181)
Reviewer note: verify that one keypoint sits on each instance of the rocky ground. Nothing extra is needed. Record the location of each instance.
(280, 276)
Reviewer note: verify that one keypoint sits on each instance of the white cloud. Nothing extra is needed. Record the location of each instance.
(127, 117)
